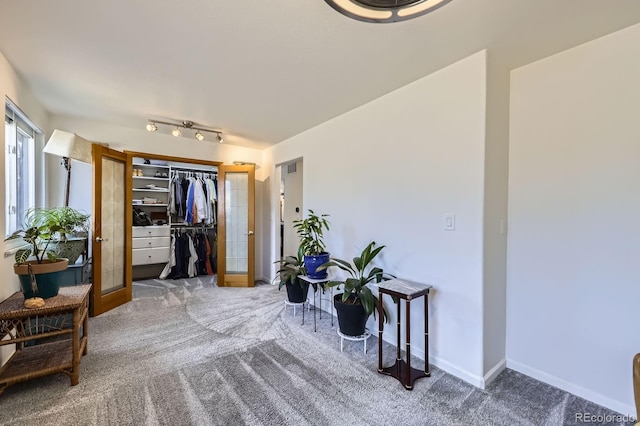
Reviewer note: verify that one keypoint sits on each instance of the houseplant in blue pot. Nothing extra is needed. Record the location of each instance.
(356, 303)
(311, 233)
(39, 275)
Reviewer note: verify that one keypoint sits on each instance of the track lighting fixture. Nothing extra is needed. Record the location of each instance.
(187, 125)
(385, 11)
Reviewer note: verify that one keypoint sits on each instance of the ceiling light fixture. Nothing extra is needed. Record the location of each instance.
(385, 11)
(187, 125)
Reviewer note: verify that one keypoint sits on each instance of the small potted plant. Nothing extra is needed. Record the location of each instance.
(38, 276)
(357, 302)
(291, 267)
(311, 233)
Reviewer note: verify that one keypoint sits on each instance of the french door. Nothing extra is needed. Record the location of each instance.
(111, 230)
(236, 220)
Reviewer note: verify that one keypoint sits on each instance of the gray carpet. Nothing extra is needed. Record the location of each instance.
(186, 352)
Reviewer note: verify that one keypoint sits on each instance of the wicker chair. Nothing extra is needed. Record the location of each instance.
(636, 385)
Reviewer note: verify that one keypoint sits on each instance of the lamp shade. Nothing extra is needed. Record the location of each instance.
(69, 145)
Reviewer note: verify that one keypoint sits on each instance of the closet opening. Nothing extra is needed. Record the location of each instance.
(174, 203)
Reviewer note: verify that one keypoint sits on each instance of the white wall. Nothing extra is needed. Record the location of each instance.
(388, 171)
(574, 209)
(11, 86)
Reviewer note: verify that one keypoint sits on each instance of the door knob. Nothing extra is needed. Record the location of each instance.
(250, 233)
(98, 239)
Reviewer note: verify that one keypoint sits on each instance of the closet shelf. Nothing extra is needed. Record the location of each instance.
(166, 179)
(153, 166)
(150, 190)
(150, 205)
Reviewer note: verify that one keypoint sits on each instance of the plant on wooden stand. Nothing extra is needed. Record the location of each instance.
(311, 233)
(357, 302)
(38, 277)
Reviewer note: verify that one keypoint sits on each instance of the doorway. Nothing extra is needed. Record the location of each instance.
(291, 209)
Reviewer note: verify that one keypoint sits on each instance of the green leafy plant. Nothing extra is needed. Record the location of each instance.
(66, 220)
(360, 273)
(311, 233)
(42, 226)
(290, 268)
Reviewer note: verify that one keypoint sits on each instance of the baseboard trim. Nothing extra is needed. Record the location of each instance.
(494, 372)
(588, 394)
(460, 373)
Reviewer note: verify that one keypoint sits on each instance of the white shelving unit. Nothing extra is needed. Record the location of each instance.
(151, 191)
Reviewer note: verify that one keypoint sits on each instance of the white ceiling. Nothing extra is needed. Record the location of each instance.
(265, 70)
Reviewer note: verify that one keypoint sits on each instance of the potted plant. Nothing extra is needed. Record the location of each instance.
(38, 276)
(357, 302)
(291, 267)
(70, 239)
(311, 233)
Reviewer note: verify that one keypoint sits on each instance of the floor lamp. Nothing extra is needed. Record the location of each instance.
(68, 146)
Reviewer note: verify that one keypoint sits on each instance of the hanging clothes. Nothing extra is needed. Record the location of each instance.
(172, 259)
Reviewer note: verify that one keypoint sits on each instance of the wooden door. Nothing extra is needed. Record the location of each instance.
(111, 230)
(236, 231)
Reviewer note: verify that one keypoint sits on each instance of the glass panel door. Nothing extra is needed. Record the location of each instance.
(236, 226)
(111, 266)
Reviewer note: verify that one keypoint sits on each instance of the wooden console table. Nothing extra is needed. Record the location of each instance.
(402, 369)
(48, 328)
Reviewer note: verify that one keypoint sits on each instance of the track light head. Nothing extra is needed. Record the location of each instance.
(152, 126)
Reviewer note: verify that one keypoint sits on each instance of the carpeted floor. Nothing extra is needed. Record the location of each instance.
(189, 353)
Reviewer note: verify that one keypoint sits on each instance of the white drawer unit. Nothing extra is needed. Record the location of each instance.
(151, 231)
(150, 245)
(149, 256)
(150, 242)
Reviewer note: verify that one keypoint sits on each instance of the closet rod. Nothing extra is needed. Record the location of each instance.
(193, 169)
(181, 227)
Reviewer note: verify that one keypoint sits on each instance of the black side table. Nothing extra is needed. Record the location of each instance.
(402, 369)
(319, 284)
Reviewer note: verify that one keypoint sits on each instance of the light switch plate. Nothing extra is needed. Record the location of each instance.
(449, 222)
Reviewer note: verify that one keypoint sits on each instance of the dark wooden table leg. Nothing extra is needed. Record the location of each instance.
(380, 329)
(427, 370)
(399, 354)
(409, 384)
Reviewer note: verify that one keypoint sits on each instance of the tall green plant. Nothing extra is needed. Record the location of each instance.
(311, 233)
(360, 273)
